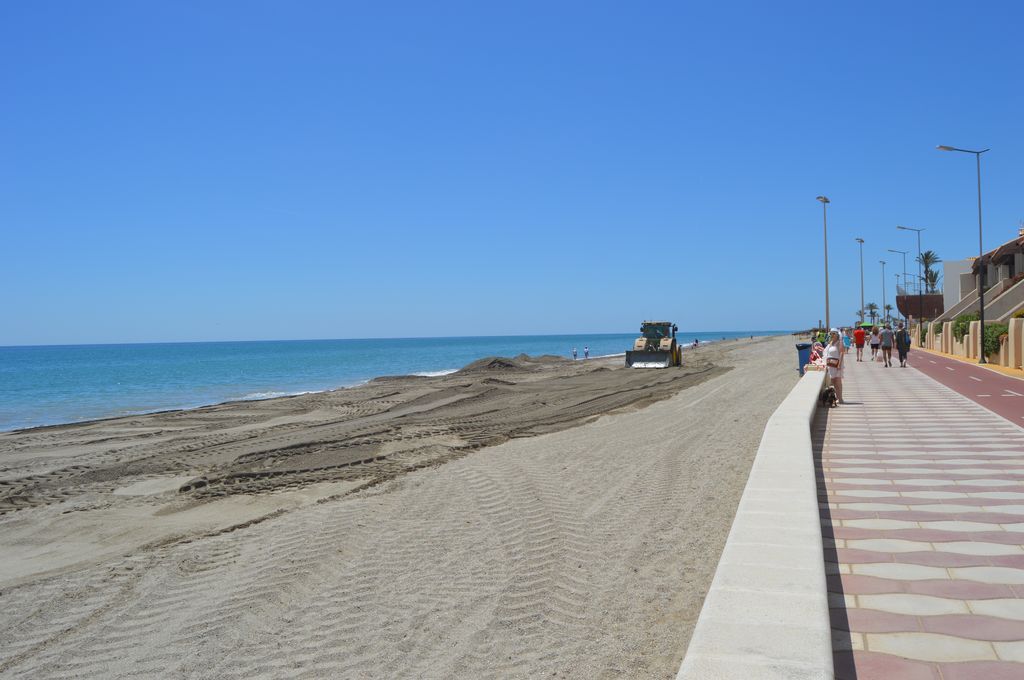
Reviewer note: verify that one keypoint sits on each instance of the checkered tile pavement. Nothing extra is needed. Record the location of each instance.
(922, 505)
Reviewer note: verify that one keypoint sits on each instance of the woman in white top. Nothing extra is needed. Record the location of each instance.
(834, 362)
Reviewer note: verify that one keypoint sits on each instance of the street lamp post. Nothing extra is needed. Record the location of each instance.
(884, 313)
(897, 289)
(920, 277)
(824, 215)
(904, 253)
(981, 250)
(861, 242)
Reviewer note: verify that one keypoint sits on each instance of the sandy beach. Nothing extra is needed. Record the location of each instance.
(519, 518)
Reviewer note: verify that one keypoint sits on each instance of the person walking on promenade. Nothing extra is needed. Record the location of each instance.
(886, 343)
(858, 340)
(586, 352)
(903, 345)
(846, 340)
(834, 362)
(874, 340)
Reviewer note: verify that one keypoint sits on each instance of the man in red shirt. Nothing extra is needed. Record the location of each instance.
(858, 339)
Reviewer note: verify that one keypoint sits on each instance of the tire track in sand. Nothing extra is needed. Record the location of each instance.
(544, 544)
(557, 554)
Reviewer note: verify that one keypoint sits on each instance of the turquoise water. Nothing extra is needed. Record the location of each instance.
(67, 383)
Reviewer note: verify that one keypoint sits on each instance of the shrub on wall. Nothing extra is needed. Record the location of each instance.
(962, 324)
(1019, 315)
(994, 337)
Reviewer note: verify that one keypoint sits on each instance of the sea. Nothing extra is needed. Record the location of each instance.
(54, 384)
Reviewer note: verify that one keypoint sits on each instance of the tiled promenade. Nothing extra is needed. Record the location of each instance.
(925, 503)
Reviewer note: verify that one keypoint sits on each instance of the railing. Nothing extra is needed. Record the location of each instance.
(913, 289)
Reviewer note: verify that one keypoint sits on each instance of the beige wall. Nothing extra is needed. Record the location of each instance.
(1015, 344)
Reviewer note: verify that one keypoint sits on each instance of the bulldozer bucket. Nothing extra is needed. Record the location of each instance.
(657, 359)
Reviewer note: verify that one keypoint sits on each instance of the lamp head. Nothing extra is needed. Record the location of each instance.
(824, 199)
(859, 240)
(943, 147)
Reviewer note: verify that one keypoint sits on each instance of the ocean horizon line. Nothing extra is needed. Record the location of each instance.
(776, 331)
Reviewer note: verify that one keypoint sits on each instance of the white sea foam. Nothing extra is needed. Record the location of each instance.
(436, 374)
(256, 396)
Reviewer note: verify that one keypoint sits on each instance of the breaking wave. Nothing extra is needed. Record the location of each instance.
(256, 396)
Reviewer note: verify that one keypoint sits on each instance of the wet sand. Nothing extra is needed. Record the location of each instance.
(521, 517)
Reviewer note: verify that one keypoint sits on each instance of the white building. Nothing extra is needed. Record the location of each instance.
(951, 272)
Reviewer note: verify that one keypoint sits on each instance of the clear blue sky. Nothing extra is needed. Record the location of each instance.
(272, 170)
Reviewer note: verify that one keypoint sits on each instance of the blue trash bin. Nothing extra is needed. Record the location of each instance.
(803, 352)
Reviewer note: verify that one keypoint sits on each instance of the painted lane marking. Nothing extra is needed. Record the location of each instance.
(932, 361)
(973, 378)
(1011, 393)
(984, 395)
(948, 368)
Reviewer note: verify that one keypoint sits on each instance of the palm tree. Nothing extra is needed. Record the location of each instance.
(928, 259)
(872, 309)
(888, 311)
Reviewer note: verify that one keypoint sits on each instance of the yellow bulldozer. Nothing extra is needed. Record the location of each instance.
(656, 347)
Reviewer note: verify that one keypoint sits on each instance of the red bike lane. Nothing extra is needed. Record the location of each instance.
(1001, 394)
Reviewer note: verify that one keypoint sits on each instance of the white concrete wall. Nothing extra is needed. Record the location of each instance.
(968, 282)
(965, 304)
(952, 282)
(1004, 306)
(766, 614)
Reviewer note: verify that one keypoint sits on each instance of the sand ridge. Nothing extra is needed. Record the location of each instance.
(375, 431)
(509, 531)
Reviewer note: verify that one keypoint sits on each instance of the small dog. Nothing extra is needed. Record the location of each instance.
(829, 398)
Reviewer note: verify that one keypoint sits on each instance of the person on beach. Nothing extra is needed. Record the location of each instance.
(834, 362)
(875, 340)
(902, 345)
(586, 352)
(886, 342)
(574, 354)
(858, 340)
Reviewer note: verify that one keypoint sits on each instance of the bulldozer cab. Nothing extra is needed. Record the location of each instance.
(656, 330)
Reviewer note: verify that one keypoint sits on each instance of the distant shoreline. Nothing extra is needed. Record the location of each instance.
(288, 381)
(171, 343)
